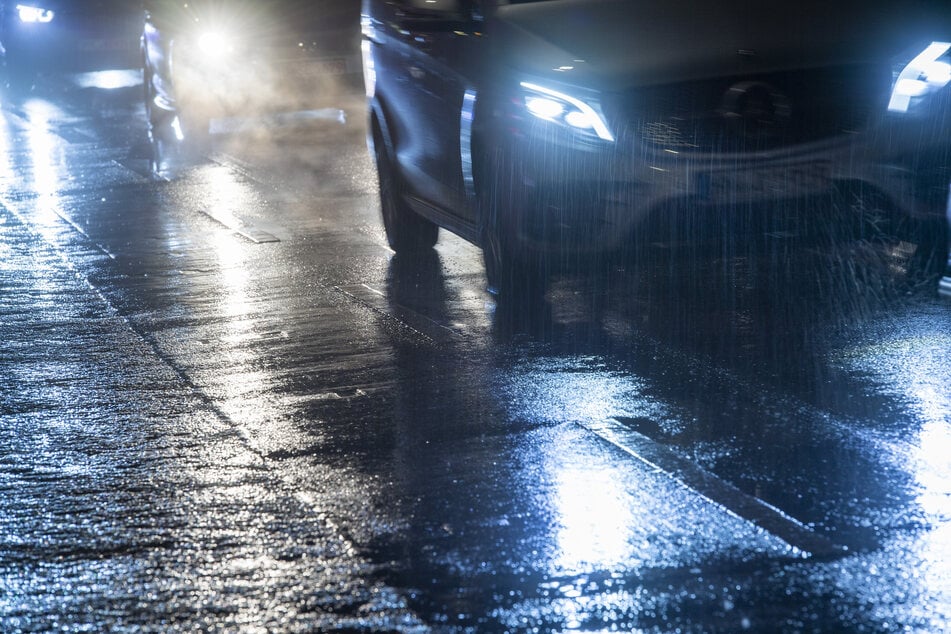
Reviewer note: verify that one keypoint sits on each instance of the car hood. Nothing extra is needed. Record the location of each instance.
(618, 43)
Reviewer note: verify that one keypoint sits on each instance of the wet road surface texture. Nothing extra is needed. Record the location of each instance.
(226, 405)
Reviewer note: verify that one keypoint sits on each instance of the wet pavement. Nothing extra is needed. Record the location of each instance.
(227, 406)
(129, 501)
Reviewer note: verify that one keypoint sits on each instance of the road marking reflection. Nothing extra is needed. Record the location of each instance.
(717, 491)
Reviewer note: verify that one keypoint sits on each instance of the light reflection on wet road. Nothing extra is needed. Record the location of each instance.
(306, 406)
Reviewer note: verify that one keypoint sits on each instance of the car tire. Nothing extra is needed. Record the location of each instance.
(158, 122)
(406, 231)
(514, 272)
(889, 251)
(929, 260)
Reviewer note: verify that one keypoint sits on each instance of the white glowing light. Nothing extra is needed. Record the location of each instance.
(34, 14)
(214, 44)
(544, 107)
(923, 75)
(579, 120)
(177, 129)
(369, 71)
(575, 113)
(109, 79)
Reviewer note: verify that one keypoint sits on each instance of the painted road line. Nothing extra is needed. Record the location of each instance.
(241, 227)
(721, 493)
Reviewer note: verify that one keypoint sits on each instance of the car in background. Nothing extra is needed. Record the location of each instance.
(38, 36)
(944, 285)
(548, 131)
(207, 59)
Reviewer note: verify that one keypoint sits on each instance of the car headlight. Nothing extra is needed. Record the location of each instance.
(926, 74)
(34, 15)
(570, 112)
(215, 46)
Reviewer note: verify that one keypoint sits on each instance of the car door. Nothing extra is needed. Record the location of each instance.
(425, 71)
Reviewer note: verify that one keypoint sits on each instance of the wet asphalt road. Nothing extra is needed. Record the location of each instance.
(226, 406)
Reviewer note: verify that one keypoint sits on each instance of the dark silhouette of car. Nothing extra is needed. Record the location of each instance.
(548, 131)
(204, 59)
(39, 36)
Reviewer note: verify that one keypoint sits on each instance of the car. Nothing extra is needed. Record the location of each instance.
(208, 59)
(944, 285)
(38, 36)
(550, 132)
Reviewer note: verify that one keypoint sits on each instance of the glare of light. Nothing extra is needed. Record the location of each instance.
(177, 129)
(45, 172)
(543, 107)
(912, 371)
(591, 118)
(933, 479)
(595, 520)
(366, 26)
(910, 88)
(596, 524)
(369, 71)
(923, 75)
(934, 469)
(215, 45)
(34, 15)
(579, 120)
(109, 79)
(224, 194)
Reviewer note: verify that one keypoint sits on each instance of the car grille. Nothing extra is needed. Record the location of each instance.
(755, 113)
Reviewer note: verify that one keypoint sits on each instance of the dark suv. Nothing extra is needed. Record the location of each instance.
(548, 130)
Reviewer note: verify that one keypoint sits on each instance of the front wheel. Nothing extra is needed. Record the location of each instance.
(889, 251)
(512, 275)
(406, 231)
(930, 257)
(513, 271)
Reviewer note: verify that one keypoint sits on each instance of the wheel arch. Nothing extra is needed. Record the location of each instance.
(379, 129)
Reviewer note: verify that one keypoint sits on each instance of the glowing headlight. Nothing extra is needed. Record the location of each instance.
(926, 74)
(34, 15)
(215, 45)
(566, 110)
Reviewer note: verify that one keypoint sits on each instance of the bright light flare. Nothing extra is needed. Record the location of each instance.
(552, 105)
(927, 73)
(34, 15)
(544, 108)
(109, 79)
(369, 70)
(215, 45)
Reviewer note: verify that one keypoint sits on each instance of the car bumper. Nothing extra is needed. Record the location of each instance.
(592, 197)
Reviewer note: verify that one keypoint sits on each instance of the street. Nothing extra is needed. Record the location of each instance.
(225, 405)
